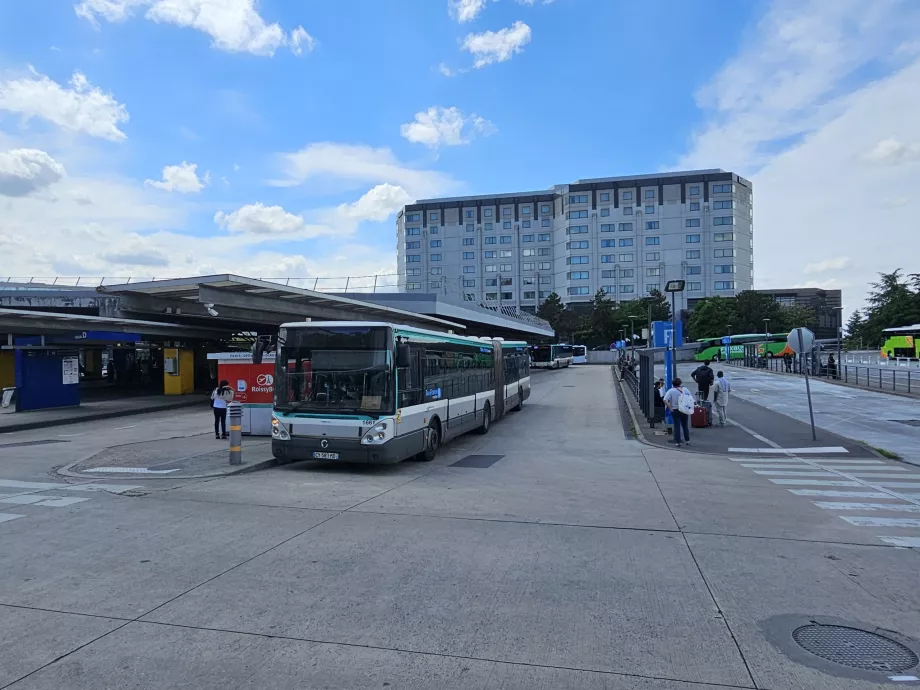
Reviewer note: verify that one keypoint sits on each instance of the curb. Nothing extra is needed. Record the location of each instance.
(93, 417)
(243, 469)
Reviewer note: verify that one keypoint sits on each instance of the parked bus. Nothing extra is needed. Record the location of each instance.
(903, 341)
(579, 354)
(551, 356)
(712, 349)
(371, 392)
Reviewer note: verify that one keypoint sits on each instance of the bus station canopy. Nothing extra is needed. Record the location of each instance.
(27, 322)
(247, 304)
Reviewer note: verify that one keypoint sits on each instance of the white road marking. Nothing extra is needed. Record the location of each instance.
(6, 517)
(910, 542)
(62, 502)
(903, 679)
(44, 486)
(119, 428)
(899, 485)
(25, 499)
(796, 451)
(758, 465)
(129, 470)
(793, 473)
(895, 507)
(815, 482)
(854, 469)
(876, 475)
(839, 494)
(860, 521)
(844, 461)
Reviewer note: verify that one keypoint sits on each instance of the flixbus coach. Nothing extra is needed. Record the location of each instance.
(372, 392)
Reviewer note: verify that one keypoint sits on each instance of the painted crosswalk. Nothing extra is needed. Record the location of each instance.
(865, 493)
(48, 495)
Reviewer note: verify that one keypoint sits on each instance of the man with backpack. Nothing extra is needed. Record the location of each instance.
(704, 377)
(679, 401)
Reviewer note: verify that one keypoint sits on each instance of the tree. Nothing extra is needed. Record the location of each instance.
(752, 308)
(661, 307)
(602, 321)
(855, 327)
(795, 316)
(893, 301)
(551, 310)
(711, 318)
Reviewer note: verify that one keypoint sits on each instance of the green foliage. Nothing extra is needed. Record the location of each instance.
(894, 300)
(711, 318)
(751, 308)
(564, 321)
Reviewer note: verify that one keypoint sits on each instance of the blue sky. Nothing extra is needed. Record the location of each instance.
(276, 138)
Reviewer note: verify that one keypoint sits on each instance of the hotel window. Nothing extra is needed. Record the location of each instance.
(543, 237)
(528, 252)
(605, 196)
(694, 190)
(608, 243)
(413, 245)
(413, 286)
(578, 199)
(723, 237)
(544, 222)
(608, 258)
(525, 224)
(627, 258)
(413, 231)
(651, 225)
(627, 196)
(578, 214)
(527, 266)
(413, 258)
(725, 268)
(413, 271)
(652, 256)
(692, 254)
(468, 282)
(506, 225)
(545, 208)
(468, 255)
(627, 288)
(436, 271)
(434, 243)
(627, 210)
(650, 241)
(626, 227)
(469, 269)
(694, 287)
(575, 291)
(722, 189)
(605, 212)
(435, 257)
(725, 285)
(469, 241)
(490, 254)
(545, 251)
(470, 227)
(504, 254)
(692, 223)
(649, 209)
(545, 266)
(576, 260)
(693, 239)
(468, 214)
(608, 227)
(649, 193)
(723, 220)
(526, 238)
(694, 205)
(487, 212)
(525, 210)
(491, 240)
(505, 239)
(694, 270)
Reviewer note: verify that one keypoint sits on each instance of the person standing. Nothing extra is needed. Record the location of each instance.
(704, 376)
(679, 401)
(720, 397)
(220, 398)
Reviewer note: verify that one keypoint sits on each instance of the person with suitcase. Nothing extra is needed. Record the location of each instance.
(679, 401)
(704, 377)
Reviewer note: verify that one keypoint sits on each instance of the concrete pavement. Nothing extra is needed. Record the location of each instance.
(580, 559)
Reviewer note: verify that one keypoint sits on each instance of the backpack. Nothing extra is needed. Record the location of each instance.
(710, 375)
(685, 402)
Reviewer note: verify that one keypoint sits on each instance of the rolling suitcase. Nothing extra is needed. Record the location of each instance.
(698, 418)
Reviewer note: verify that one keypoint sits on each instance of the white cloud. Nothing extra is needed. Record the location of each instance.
(233, 25)
(787, 79)
(82, 108)
(301, 41)
(893, 152)
(259, 219)
(836, 264)
(24, 171)
(446, 71)
(497, 46)
(378, 204)
(182, 178)
(465, 10)
(439, 126)
(360, 164)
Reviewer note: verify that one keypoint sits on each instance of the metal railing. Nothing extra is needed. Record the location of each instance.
(879, 377)
(870, 358)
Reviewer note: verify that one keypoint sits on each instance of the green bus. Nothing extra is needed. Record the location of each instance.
(903, 341)
(771, 345)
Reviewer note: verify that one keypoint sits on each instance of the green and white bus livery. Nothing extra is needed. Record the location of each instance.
(379, 393)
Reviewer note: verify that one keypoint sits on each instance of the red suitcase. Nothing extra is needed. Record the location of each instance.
(699, 418)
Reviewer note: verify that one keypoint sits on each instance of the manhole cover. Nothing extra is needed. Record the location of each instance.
(908, 422)
(478, 461)
(855, 648)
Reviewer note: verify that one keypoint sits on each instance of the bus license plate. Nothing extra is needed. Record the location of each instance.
(326, 456)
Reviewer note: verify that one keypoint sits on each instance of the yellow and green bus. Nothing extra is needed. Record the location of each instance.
(771, 345)
(903, 341)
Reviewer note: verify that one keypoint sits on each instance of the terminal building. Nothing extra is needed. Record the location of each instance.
(624, 235)
(65, 345)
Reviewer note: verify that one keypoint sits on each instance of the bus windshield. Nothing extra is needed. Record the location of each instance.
(542, 353)
(338, 370)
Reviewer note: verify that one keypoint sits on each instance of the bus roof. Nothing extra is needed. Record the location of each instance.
(746, 336)
(902, 329)
(398, 329)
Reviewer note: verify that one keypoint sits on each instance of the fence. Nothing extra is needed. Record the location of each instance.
(878, 377)
(640, 381)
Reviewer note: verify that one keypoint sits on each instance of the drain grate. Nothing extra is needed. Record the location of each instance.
(478, 461)
(855, 648)
(908, 422)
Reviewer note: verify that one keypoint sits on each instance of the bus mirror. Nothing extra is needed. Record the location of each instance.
(403, 361)
(257, 351)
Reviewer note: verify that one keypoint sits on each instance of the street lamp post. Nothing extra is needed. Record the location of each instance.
(632, 334)
(728, 348)
(674, 286)
(766, 328)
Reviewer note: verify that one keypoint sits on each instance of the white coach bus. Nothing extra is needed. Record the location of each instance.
(552, 356)
(579, 354)
(370, 392)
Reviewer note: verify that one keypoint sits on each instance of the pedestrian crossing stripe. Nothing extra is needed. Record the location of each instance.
(869, 507)
(797, 451)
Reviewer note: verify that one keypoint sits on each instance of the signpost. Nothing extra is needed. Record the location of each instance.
(727, 342)
(670, 356)
(802, 341)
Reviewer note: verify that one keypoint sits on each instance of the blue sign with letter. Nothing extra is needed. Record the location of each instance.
(726, 340)
(82, 336)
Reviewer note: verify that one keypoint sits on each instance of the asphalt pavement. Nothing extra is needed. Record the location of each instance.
(578, 559)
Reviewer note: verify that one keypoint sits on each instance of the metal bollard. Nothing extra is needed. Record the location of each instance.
(235, 412)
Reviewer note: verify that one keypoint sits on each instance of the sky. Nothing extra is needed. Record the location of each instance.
(278, 138)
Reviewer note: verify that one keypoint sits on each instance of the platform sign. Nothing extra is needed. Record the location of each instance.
(70, 369)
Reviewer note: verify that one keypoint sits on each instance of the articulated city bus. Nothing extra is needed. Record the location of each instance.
(370, 392)
(712, 349)
(903, 341)
(551, 356)
(579, 354)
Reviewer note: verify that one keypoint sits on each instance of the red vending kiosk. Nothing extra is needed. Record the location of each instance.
(253, 385)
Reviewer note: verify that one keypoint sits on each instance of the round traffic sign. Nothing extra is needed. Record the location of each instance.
(801, 340)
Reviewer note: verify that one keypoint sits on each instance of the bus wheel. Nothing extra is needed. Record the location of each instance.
(432, 442)
(520, 405)
(770, 355)
(486, 419)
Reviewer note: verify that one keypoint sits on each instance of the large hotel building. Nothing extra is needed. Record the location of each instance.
(623, 235)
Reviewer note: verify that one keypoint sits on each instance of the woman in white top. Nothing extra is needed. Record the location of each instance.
(220, 397)
(672, 400)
